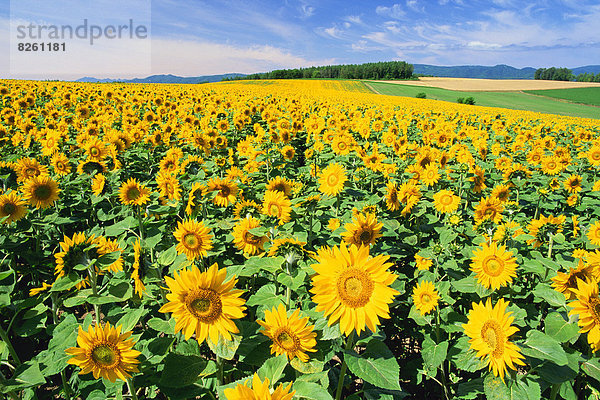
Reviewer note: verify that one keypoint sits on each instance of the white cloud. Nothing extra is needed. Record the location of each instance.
(414, 5)
(483, 46)
(307, 11)
(332, 32)
(394, 11)
(355, 19)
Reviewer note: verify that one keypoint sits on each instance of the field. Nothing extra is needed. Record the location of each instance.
(516, 100)
(589, 95)
(272, 239)
(494, 85)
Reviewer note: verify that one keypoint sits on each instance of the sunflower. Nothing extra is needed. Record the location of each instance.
(248, 242)
(277, 205)
(488, 209)
(587, 308)
(41, 191)
(423, 264)
(246, 208)
(363, 230)
(573, 183)
(61, 164)
(280, 184)
(409, 194)
(551, 165)
(478, 179)
(27, 168)
(193, 198)
(445, 201)
(95, 149)
(75, 250)
(489, 329)
(391, 198)
(137, 270)
(105, 352)
(259, 391)
(134, 193)
(543, 227)
(567, 283)
(332, 179)
(593, 155)
(194, 239)
(425, 297)
(226, 191)
(352, 287)
(501, 192)
(494, 266)
(594, 233)
(168, 186)
(202, 302)
(106, 246)
(98, 182)
(431, 175)
(506, 231)
(333, 224)
(291, 335)
(12, 206)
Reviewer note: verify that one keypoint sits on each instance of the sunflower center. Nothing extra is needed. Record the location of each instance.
(60, 166)
(446, 200)
(42, 192)
(133, 193)
(595, 309)
(205, 304)
(354, 288)
(94, 151)
(8, 208)
(224, 191)
(287, 341)
(31, 171)
(274, 209)
(493, 266)
(426, 298)
(251, 238)
(365, 236)
(105, 355)
(491, 333)
(191, 241)
(332, 180)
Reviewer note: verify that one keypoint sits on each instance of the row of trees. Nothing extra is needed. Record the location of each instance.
(554, 74)
(588, 77)
(564, 74)
(376, 71)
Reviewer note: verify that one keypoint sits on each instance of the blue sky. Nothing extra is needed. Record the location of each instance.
(197, 38)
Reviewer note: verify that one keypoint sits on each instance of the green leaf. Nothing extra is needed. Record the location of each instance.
(226, 348)
(433, 353)
(64, 336)
(559, 329)
(544, 347)
(377, 365)
(26, 375)
(131, 318)
(592, 368)
(310, 391)
(544, 293)
(7, 285)
(66, 282)
(465, 285)
(168, 256)
(182, 370)
(526, 389)
(265, 296)
(273, 368)
(313, 365)
(269, 264)
(495, 389)
(107, 259)
(160, 325)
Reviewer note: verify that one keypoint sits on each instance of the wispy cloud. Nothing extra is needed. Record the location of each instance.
(395, 11)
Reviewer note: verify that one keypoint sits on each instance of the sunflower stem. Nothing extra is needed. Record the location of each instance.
(550, 245)
(140, 222)
(554, 391)
(11, 349)
(131, 388)
(94, 285)
(219, 370)
(12, 394)
(444, 383)
(340, 386)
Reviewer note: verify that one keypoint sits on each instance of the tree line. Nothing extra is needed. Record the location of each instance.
(377, 71)
(564, 74)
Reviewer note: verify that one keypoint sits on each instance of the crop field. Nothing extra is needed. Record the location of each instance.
(517, 100)
(589, 95)
(293, 239)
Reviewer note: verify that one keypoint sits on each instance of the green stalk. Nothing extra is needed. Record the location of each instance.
(340, 386)
(550, 245)
(220, 370)
(11, 349)
(131, 388)
(140, 223)
(554, 391)
(63, 376)
(11, 393)
(94, 285)
(444, 383)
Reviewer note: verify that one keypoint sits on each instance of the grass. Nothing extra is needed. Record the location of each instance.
(588, 95)
(512, 100)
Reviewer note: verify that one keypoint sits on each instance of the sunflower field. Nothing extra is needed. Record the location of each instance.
(295, 239)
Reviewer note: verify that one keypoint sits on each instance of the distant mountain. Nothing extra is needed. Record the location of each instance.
(590, 69)
(164, 79)
(476, 71)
